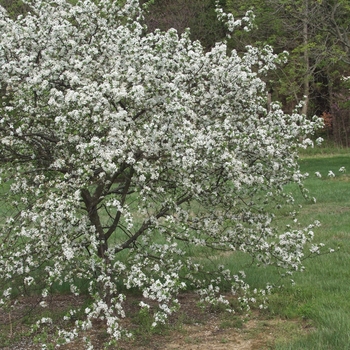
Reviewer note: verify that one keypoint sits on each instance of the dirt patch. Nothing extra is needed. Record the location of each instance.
(192, 328)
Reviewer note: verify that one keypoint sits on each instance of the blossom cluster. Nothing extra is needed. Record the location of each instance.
(330, 173)
(123, 151)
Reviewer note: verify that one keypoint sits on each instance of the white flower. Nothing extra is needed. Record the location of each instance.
(45, 320)
(331, 174)
(144, 305)
(7, 292)
(43, 303)
(28, 280)
(319, 141)
(68, 252)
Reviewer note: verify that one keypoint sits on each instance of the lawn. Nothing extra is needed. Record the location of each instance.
(322, 292)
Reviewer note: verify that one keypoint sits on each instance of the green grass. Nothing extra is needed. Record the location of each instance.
(322, 294)
(326, 149)
(320, 297)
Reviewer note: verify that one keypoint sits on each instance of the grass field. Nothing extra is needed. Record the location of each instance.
(322, 292)
(320, 298)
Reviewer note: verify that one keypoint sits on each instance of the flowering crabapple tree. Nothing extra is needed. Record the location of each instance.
(124, 151)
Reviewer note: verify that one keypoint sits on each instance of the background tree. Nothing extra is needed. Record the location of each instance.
(123, 150)
(315, 33)
(14, 7)
(199, 15)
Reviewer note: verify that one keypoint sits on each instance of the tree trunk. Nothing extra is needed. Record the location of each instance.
(306, 58)
(91, 207)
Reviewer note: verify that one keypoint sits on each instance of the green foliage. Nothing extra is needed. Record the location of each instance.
(315, 33)
(198, 15)
(14, 7)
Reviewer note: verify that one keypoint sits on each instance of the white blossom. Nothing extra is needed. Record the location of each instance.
(319, 141)
(330, 173)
